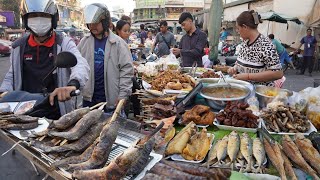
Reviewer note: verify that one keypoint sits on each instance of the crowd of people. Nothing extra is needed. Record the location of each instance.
(105, 71)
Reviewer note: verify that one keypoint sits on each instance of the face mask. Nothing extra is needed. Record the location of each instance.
(40, 25)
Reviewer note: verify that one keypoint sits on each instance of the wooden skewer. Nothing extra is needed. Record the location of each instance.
(97, 105)
(117, 111)
(42, 138)
(63, 142)
(57, 142)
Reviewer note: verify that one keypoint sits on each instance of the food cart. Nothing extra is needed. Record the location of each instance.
(200, 124)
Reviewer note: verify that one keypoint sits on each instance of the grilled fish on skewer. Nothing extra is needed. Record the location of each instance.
(69, 119)
(288, 167)
(131, 161)
(19, 118)
(101, 152)
(81, 126)
(80, 145)
(19, 126)
(222, 149)
(76, 159)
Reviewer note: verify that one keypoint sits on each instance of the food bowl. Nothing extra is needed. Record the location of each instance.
(217, 95)
(266, 94)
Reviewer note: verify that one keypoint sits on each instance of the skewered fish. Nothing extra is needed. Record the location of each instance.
(246, 150)
(69, 119)
(258, 153)
(76, 159)
(307, 150)
(19, 118)
(78, 146)
(165, 170)
(233, 146)
(212, 173)
(294, 154)
(151, 176)
(131, 161)
(81, 126)
(17, 126)
(101, 152)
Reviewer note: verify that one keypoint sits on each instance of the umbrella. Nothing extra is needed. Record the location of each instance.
(280, 18)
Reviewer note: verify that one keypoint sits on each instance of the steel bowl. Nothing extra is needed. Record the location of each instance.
(263, 99)
(220, 103)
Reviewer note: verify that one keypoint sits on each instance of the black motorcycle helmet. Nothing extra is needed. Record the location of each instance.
(39, 6)
(95, 13)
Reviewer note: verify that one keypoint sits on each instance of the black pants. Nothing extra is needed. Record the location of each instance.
(307, 63)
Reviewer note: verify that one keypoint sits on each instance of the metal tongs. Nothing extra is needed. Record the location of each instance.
(265, 134)
(193, 69)
(222, 77)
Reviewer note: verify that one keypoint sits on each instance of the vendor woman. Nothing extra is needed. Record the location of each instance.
(258, 61)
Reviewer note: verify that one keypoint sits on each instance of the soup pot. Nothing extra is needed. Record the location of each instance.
(220, 102)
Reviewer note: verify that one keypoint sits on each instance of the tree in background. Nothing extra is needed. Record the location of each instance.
(12, 5)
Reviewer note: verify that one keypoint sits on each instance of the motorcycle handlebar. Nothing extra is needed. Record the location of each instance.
(75, 93)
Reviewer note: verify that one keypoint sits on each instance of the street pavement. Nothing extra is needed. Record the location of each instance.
(17, 167)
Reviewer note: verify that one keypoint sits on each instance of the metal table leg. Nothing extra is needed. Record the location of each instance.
(35, 168)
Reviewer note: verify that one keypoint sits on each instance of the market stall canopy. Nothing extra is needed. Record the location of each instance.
(280, 18)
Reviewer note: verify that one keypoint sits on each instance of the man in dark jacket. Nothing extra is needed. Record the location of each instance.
(192, 44)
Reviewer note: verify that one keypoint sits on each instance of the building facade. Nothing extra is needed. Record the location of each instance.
(169, 10)
(70, 13)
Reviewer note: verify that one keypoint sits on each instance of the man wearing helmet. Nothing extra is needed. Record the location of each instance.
(33, 55)
(109, 59)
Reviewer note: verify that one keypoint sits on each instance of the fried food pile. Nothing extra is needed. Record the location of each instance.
(235, 114)
(209, 74)
(222, 68)
(199, 114)
(285, 119)
(172, 80)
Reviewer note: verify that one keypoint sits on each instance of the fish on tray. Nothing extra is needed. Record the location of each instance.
(307, 150)
(69, 119)
(81, 126)
(101, 152)
(233, 146)
(131, 162)
(294, 154)
(78, 146)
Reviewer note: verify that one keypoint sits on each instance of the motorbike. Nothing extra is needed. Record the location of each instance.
(41, 106)
(228, 50)
(297, 60)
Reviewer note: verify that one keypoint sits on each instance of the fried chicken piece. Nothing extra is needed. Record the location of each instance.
(206, 119)
(200, 109)
(190, 116)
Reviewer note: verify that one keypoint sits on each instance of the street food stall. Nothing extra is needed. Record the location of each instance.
(195, 123)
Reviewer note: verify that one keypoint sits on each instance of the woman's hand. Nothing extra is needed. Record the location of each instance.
(232, 71)
(243, 76)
